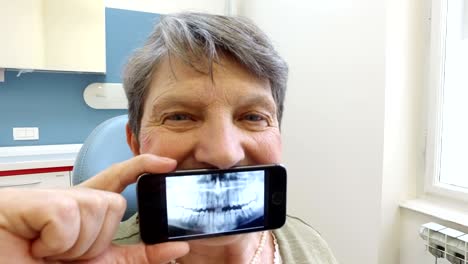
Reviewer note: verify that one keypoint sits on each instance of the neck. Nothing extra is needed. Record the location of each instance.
(227, 250)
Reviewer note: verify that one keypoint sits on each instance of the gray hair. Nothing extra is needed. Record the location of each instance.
(197, 39)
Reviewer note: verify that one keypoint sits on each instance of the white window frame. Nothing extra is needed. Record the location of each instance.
(434, 107)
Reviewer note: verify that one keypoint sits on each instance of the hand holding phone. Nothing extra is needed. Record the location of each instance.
(194, 204)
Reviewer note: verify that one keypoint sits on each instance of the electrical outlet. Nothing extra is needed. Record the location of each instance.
(25, 133)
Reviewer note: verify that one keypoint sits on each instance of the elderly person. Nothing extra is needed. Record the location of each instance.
(204, 91)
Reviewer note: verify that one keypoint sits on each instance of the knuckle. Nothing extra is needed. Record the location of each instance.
(117, 202)
(57, 245)
(97, 201)
(64, 219)
(66, 208)
(120, 201)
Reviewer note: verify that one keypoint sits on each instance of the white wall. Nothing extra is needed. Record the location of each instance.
(354, 123)
(334, 119)
(407, 41)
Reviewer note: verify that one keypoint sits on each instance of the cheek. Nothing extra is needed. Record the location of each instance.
(163, 144)
(145, 142)
(266, 148)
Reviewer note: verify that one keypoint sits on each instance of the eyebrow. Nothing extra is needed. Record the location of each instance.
(258, 100)
(180, 100)
(189, 101)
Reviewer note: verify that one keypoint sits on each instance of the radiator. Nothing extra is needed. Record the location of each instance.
(443, 242)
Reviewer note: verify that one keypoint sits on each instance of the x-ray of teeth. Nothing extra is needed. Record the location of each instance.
(215, 203)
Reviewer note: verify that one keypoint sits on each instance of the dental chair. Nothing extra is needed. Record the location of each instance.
(106, 145)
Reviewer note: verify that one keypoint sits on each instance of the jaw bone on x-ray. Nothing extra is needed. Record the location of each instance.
(215, 203)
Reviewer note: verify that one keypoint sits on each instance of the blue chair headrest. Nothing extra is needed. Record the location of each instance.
(106, 145)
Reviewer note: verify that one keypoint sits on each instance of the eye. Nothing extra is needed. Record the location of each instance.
(255, 121)
(179, 117)
(254, 117)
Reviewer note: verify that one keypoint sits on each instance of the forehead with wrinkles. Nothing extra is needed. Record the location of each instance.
(175, 82)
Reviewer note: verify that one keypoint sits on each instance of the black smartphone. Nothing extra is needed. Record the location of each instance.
(193, 204)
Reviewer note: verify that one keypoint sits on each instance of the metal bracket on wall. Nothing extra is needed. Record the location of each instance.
(2, 75)
(24, 71)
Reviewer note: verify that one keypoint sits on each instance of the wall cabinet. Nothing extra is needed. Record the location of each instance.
(53, 35)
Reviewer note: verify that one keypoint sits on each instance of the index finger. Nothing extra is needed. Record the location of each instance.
(120, 175)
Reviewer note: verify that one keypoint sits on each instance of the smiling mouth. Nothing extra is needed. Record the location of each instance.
(219, 203)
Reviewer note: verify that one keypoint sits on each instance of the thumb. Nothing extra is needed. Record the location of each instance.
(118, 176)
(141, 253)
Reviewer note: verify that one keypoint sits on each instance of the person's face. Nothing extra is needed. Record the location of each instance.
(204, 123)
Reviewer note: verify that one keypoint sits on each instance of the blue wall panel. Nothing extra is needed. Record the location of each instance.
(54, 101)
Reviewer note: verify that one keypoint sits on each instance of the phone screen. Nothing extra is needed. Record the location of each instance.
(215, 203)
(192, 204)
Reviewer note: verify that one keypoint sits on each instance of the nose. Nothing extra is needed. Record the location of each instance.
(220, 145)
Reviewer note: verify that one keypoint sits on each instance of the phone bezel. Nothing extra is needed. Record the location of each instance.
(154, 227)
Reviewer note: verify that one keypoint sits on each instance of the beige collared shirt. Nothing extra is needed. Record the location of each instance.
(298, 242)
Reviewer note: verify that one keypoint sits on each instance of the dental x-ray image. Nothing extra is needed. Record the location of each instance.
(215, 203)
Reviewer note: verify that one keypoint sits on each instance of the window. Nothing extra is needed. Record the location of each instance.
(447, 135)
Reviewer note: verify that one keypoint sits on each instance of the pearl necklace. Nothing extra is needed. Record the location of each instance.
(276, 255)
(259, 250)
(256, 256)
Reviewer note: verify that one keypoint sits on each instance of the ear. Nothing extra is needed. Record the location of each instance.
(132, 141)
